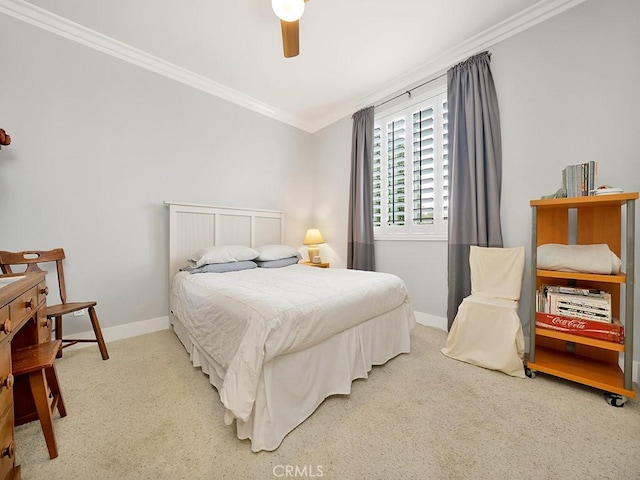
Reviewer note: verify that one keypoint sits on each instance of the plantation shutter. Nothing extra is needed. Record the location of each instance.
(423, 167)
(445, 162)
(396, 172)
(377, 176)
(411, 170)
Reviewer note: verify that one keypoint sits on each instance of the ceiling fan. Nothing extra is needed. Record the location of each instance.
(289, 13)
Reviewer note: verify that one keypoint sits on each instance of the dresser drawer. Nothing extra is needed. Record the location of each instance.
(23, 306)
(43, 291)
(7, 445)
(6, 379)
(44, 326)
(5, 322)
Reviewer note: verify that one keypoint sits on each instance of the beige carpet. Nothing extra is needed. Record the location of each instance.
(147, 413)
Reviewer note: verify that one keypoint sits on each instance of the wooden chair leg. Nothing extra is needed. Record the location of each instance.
(58, 321)
(54, 386)
(98, 332)
(41, 399)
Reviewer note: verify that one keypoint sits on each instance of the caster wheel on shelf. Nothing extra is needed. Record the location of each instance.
(529, 373)
(615, 400)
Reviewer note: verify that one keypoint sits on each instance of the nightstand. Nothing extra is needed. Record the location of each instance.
(318, 265)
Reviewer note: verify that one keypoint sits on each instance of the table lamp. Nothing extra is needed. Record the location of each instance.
(312, 238)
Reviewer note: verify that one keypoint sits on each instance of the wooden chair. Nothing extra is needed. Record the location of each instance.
(36, 362)
(31, 259)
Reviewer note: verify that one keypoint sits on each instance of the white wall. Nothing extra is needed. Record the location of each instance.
(568, 93)
(331, 173)
(423, 267)
(99, 144)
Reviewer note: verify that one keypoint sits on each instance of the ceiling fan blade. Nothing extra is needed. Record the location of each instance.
(290, 38)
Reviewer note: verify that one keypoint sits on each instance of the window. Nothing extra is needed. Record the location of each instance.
(411, 171)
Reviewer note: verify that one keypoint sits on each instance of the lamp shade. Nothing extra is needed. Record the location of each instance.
(288, 10)
(313, 237)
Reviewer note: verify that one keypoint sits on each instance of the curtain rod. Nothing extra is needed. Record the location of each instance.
(408, 92)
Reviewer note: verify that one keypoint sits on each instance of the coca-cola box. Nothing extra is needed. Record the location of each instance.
(612, 332)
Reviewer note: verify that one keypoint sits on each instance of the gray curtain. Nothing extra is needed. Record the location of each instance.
(360, 253)
(475, 171)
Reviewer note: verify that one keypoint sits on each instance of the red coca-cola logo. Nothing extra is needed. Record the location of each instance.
(568, 323)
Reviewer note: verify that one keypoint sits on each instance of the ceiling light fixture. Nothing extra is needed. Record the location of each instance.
(288, 10)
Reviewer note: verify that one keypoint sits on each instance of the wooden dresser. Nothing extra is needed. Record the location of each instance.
(23, 322)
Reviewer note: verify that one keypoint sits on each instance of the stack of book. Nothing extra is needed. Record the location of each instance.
(580, 180)
(580, 311)
(573, 302)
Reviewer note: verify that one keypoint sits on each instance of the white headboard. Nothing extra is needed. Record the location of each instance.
(193, 226)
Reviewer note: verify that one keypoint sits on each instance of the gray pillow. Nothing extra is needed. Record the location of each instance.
(282, 262)
(221, 267)
(275, 252)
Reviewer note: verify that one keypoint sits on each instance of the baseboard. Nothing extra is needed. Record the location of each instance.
(120, 332)
(429, 320)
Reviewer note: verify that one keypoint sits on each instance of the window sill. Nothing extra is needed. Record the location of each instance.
(404, 237)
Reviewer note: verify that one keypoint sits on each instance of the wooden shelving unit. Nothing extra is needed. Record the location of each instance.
(585, 220)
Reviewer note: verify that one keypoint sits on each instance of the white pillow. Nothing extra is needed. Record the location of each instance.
(223, 254)
(275, 252)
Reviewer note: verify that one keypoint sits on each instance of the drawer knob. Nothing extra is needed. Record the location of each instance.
(29, 304)
(45, 291)
(46, 322)
(5, 326)
(7, 382)
(9, 450)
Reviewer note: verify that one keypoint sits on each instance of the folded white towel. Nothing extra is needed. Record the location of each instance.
(597, 258)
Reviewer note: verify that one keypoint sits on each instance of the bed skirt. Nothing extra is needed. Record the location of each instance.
(287, 392)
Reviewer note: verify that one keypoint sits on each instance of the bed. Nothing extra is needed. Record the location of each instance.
(258, 333)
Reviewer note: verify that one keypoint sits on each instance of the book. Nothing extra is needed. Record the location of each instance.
(573, 290)
(612, 332)
(580, 180)
(582, 313)
(575, 302)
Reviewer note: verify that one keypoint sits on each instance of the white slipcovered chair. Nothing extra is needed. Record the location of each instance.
(486, 330)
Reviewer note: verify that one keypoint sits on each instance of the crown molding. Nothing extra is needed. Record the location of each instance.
(58, 25)
(515, 24)
(53, 23)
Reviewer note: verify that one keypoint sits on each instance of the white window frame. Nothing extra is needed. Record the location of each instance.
(438, 230)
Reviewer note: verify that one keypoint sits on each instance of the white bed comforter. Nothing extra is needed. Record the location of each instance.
(243, 319)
